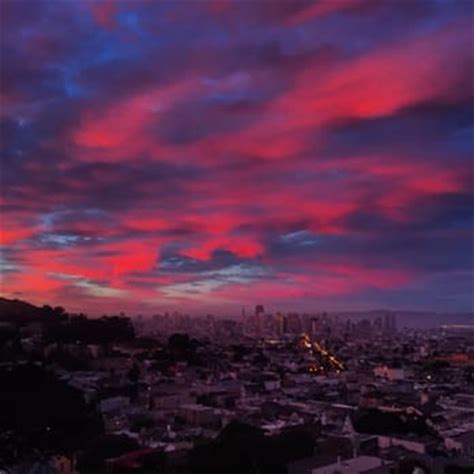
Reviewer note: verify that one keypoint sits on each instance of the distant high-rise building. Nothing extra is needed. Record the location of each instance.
(378, 324)
(269, 326)
(279, 324)
(386, 323)
(294, 323)
(314, 326)
(393, 322)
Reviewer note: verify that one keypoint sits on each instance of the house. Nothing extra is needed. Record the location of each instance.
(390, 373)
(358, 465)
(462, 443)
(416, 443)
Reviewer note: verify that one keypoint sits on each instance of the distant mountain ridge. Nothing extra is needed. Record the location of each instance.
(412, 319)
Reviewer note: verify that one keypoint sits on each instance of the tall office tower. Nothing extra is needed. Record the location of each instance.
(294, 323)
(349, 328)
(268, 325)
(210, 325)
(279, 324)
(258, 320)
(378, 325)
(393, 322)
(364, 327)
(314, 326)
(386, 323)
(306, 323)
(285, 324)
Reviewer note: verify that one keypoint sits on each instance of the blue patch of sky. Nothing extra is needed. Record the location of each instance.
(301, 238)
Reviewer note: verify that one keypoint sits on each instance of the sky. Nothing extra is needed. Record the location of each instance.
(201, 156)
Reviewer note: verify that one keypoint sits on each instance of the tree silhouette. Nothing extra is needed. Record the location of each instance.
(40, 414)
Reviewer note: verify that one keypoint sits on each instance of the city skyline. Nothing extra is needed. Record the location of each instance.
(202, 156)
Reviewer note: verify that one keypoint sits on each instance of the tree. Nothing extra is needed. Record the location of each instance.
(244, 449)
(40, 414)
(455, 469)
(179, 342)
(103, 448)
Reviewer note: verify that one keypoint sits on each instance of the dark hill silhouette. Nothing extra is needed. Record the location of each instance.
(59, 326)
(22, 312)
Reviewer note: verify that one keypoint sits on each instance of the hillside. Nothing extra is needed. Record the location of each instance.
(18, 311)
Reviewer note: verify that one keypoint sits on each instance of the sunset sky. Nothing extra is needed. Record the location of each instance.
(204, 155)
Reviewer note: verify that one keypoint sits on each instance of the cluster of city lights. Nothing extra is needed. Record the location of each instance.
(323, 361)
